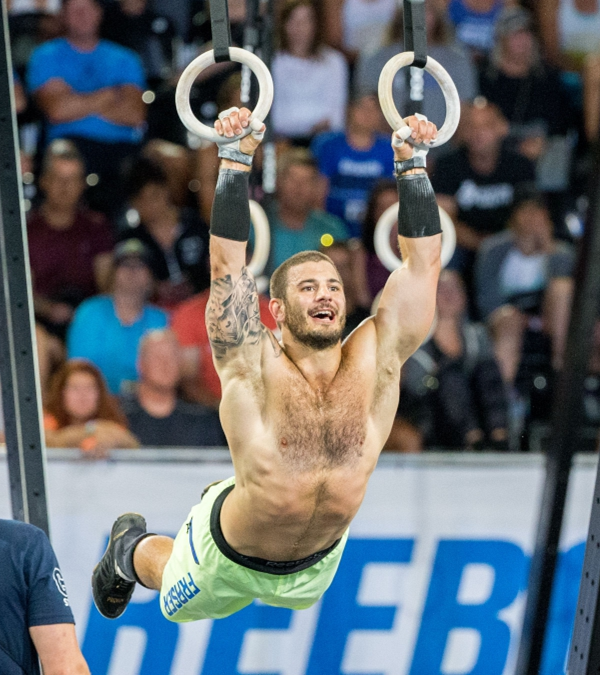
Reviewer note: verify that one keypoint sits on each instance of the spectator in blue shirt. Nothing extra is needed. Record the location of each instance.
(107, 329)
(353, 161)
(36, 619)
(90, 91)
(474, 21)
(296, 224)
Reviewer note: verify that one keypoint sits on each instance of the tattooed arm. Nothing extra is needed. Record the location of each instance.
(232, 313)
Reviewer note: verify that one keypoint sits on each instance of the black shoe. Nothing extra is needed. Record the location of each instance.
(111, 589)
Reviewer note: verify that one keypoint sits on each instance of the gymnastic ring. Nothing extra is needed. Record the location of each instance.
(439, 73)
(381, 238)
(198, 65)
(262, 245)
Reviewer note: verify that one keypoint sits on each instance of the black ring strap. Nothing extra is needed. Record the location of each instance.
(221, 29)
(415, 31)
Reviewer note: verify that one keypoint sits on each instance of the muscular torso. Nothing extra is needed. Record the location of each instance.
(303, 456)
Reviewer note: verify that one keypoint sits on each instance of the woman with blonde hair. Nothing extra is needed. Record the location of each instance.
(81, 413)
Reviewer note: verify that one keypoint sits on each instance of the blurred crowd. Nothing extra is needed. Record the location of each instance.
(118, 198)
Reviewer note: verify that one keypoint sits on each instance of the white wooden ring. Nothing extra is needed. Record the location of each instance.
(381, 239)
(386, 96)
(199, 64)
(262, 242)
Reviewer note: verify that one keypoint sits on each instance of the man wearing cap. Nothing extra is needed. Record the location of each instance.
(107, 329)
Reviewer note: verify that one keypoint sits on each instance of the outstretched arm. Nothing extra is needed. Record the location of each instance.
(232, 313)
(407, 305)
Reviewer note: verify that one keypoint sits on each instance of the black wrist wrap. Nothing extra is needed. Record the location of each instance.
(230, 216)
(418, 215)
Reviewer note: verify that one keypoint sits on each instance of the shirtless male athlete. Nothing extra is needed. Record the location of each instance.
(305, 418)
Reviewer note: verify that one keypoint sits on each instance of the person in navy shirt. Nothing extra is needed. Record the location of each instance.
(353, 161)
(36, 619)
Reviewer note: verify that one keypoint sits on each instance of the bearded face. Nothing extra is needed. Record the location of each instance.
(319, 328)
(315, 306)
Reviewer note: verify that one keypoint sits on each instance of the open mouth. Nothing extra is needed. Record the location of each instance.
(326, 316)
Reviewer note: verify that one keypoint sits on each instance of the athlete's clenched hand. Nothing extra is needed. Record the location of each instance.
(234, 123)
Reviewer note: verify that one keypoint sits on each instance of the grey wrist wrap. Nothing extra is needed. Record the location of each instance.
(230, 216)
(235, 155)
(418, 215)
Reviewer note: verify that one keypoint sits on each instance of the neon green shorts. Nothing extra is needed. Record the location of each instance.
(206, 579)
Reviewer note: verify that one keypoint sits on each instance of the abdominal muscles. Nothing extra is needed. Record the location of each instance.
(303, 491)
(302, 477)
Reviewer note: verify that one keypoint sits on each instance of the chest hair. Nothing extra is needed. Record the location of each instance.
(321, 430)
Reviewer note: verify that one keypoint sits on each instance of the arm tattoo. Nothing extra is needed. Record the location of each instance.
(232, 314)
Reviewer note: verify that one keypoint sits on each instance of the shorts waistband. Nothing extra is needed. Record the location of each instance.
(258, 564)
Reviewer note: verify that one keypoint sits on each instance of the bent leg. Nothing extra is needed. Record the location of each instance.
(508, 328)
(556, 312)
(149, 560)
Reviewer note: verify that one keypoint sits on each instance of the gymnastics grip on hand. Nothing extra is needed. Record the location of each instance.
(418, 214)
(232, 150)
(419, 155)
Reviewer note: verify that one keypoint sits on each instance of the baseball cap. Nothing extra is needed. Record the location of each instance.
(131, 248)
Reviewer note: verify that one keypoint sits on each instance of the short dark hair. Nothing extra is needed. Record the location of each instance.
(279, 278)
(141, 173)
(528, 194)
(296, 157)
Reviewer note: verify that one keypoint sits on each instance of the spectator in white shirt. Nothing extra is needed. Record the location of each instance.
(311, 79)
(358, 27)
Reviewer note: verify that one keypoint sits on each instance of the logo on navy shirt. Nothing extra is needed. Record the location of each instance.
(60, 582)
